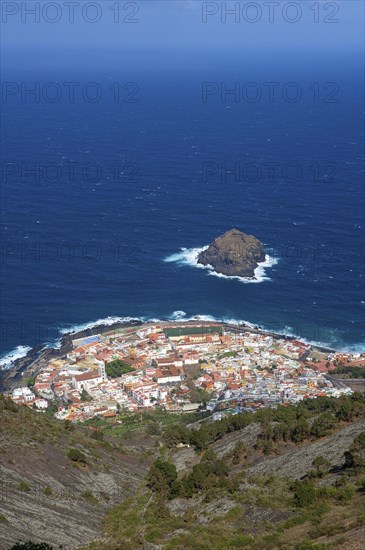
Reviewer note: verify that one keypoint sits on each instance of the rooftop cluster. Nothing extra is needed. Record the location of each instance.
(181, 368)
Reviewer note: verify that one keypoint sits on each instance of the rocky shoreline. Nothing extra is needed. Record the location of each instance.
(39, 356)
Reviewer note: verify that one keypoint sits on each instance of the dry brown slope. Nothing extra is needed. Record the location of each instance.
(296, 463)
(47, 498)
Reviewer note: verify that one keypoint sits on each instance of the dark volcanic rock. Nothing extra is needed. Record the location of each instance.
(234, 254)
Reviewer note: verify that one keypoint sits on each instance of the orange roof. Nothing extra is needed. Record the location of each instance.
(86, 346)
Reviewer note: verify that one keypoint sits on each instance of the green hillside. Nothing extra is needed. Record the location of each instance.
(289, 478)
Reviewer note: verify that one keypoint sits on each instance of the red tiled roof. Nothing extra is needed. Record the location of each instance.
(87, 376)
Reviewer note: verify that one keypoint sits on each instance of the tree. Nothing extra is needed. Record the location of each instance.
(205, 476)
(116, 368)
(265, 439)
(30, 381)
(238, 452)
(346, 411)
(355, 456)
(282, 431)
(85, 396)
(201, 438)
(220, 468)
(198, 395)
(197, 479)
(209, 457)
(175, 434)
(162, 478)
(323, 424)
(300, 431)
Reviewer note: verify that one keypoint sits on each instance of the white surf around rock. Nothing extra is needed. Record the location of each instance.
(189, 256)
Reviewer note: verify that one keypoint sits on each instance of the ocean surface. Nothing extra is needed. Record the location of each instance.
(103, 203)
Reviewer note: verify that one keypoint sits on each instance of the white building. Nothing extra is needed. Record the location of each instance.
(147, 394)
(87, 380)
(41, 404)
(23, 394)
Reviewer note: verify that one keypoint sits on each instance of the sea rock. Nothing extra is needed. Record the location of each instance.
(234, 254)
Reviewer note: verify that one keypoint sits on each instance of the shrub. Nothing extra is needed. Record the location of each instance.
(304, 493)
(309, 545)
(346, 492)
(96, 421)
(75, 455)
(68, 426)
(98, 435)
(240, 541)
(24, 486)
(89, 495)
(8, 404)
(321, 465)
(153, 428)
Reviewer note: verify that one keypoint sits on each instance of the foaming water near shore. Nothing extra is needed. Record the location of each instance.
(182, 316)
(97, 260)
(285, 332)
(189, 257)
(10, 359)
(107, 321)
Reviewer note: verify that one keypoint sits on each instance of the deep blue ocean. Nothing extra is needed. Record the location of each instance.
(96, 195)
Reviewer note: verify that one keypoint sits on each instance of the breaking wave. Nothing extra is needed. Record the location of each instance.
(189, 256)
(7, 361)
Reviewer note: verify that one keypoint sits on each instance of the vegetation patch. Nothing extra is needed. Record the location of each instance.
(115, 369)
(77, 456)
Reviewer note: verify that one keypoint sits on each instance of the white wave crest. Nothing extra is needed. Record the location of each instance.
(178, 315)
(107, 321)
(7, 361)
(189, 256)
(286, 331)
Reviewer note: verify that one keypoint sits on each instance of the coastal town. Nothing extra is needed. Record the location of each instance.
(181, 368)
